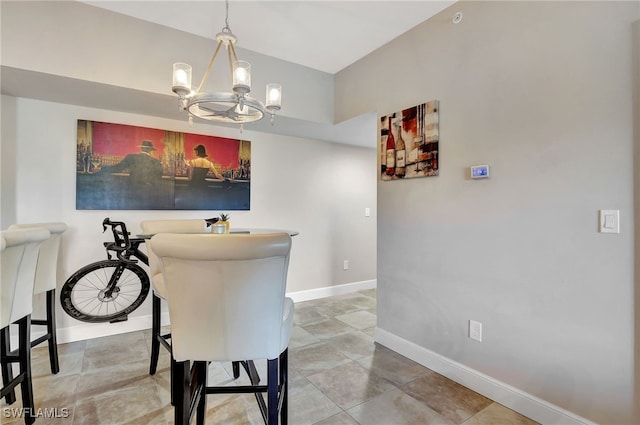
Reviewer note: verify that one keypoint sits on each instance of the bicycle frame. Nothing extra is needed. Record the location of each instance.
(124, 247)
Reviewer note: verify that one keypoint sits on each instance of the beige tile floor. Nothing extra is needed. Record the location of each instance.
(339, 376)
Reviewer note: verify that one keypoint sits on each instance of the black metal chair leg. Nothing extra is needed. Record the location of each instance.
(7, 371)
(201, 384)
(236, 369)
(272, 391)
(284, 387)
(181, 388)
(155, 334)
(173, 365)
(24, 359)
(51, 330)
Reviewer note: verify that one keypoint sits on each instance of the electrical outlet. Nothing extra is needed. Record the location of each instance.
(345, 265)
(475, 330)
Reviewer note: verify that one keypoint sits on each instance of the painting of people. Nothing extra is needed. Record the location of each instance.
(124, 167)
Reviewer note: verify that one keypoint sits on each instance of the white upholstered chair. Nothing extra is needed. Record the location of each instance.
(152, 227)
(18, 259)
(45, 285)
(226, 296)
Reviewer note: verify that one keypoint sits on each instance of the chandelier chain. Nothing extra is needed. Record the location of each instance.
(226, 16)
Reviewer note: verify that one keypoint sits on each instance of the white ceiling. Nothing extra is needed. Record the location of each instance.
(341, 32)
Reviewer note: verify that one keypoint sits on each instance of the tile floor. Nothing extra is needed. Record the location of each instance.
(338, 376)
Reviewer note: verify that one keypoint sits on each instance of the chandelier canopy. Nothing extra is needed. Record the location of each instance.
(228, 107)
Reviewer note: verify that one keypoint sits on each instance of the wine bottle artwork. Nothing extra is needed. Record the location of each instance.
(409, 142)
(391, 152)
(400, 154)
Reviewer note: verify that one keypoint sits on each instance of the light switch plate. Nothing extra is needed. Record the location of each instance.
(609, 221)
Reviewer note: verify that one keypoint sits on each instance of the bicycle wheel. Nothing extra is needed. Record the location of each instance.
(83, 294)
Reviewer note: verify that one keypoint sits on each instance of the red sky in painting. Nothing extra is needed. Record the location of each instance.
(119, 139)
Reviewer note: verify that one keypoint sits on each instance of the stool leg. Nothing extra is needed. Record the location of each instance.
(236, 369)
(173, 390)
(284, 391)
(181, 389)
(24, 358)
(51, 330)
(7, 371)
(155, 332)
(272, 391)
(201, 384)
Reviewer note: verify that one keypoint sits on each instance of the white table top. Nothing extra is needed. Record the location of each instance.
(254, 231)
(240, 231)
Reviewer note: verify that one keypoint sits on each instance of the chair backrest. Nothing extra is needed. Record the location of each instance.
(18, 261)
(189, 225)
(226, 294)
(47, 269)
(152, 227)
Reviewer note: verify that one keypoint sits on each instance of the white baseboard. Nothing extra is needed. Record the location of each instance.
(511, 397)
(330, 291)
(98, 330)
(137, 323)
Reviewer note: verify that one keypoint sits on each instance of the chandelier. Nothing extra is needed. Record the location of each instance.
(236, 107)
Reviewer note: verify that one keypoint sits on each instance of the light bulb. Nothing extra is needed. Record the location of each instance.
(181, 77)
(241, 77)
(274, 96)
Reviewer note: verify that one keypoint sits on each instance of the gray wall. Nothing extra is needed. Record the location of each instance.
(8, 162)
(636, 114)
(543, 92)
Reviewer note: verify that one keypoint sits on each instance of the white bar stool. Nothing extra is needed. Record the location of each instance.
(46, 283)
(18, 260)
(152, 227)
(226, 296)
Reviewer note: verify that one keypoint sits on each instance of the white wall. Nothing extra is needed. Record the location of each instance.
(319, 189)
(541, 91)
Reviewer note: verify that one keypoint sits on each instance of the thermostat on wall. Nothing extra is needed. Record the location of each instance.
(479, 171)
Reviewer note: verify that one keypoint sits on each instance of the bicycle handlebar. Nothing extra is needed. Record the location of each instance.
(121, 243)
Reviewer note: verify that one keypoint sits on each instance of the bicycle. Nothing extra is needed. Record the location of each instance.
(108, 290)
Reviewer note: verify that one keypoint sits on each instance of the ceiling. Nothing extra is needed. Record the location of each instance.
(341, 32)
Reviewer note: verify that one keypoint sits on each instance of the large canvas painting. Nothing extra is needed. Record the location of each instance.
(409, 142)
(123, 167)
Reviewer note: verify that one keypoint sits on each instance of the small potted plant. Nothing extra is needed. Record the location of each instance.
(224, 219)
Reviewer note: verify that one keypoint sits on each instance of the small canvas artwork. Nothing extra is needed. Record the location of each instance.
(409, 142)
(124, 167)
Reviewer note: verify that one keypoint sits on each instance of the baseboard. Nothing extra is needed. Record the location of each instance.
(330, 291)
(98, 330)
(511, 397)
(138, 323)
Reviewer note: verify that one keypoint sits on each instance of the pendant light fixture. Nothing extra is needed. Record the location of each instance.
(236, 106)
